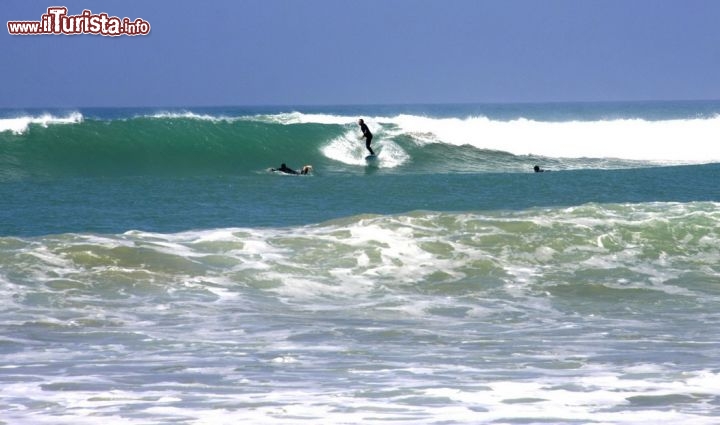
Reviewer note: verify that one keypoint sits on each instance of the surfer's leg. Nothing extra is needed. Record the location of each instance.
(367, 145)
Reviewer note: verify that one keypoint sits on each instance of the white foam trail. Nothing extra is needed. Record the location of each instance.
(20, 125)
(347, 149)
(350, 149)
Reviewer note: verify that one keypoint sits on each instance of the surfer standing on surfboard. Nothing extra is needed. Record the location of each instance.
(366, 134)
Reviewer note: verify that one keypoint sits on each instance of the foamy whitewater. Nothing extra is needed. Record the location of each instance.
(154, 271)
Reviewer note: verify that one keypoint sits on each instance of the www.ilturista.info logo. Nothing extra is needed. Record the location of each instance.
(57, 21)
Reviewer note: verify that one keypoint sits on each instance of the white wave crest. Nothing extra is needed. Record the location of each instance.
(302, 118)
(678, 140)
(191, 115)
(663, 141)
(20, 125)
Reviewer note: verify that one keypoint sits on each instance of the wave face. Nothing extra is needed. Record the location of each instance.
(163, 144)
(241, 142)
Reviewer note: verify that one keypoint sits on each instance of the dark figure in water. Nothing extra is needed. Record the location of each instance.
(287, 170)
(538, 169)
(366, 134)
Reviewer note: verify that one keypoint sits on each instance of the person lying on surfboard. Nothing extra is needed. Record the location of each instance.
(287, 170)
(367, 135)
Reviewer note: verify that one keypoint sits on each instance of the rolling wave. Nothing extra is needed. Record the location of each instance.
(191, 143)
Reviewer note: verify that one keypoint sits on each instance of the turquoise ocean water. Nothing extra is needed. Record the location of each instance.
(153, 271)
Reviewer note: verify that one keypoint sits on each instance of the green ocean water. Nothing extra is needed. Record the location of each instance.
(154, 271)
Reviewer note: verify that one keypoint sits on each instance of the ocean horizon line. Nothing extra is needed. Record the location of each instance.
(372, 104)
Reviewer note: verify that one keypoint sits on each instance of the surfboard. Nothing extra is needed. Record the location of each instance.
(371, 158)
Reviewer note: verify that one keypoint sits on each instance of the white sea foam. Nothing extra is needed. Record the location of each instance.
(346, 149)
(671, 141)
(668, 141)
(20, 125)
(604, 398)
(350, 149)
(415, 318)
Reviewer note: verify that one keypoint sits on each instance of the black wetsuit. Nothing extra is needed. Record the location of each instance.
(368, 137)
(285, 169)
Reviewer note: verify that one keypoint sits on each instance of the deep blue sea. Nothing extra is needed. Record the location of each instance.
(154, 270)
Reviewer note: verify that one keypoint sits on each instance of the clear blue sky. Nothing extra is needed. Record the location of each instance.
(275, 52)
